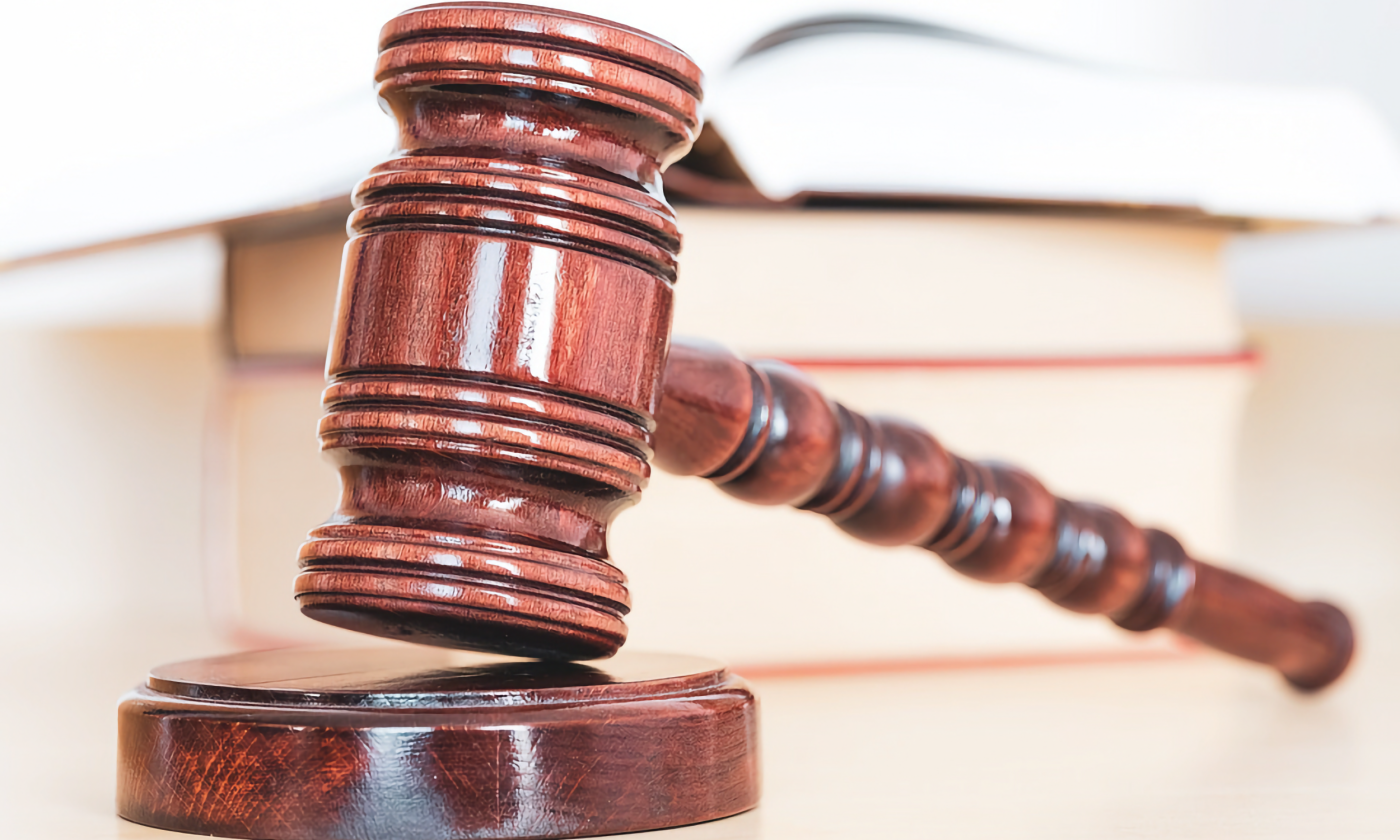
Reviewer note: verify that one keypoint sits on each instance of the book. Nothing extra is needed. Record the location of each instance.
(927, 283)
(930, 111)
(1101, 351)
(866, 283)
(766, 586)
(835, 108)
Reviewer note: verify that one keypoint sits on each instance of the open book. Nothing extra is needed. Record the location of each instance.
(842, 107)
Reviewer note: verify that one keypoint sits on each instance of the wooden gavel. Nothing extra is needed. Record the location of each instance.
(501, 371)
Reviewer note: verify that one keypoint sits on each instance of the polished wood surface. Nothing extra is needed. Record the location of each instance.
(502, 326)
(766, 434)
(423, 743)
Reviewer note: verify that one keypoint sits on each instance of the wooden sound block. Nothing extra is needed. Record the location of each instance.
(412, 743)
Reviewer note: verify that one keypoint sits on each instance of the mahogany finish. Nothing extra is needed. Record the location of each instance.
(766, 434)
(504, 313)
(497, 360)
(397, 743)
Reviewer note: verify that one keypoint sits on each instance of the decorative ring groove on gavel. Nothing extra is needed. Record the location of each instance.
(497, 361)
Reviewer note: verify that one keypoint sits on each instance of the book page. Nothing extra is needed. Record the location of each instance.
(915, 115)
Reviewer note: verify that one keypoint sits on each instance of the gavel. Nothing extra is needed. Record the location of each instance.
(501, 372)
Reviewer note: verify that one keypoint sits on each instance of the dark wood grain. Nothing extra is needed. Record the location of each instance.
(504, 311)
(889, 482)
(400, 743)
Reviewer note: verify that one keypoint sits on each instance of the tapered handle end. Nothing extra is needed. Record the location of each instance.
(1335, 628)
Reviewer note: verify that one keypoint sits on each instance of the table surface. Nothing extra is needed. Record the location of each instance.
(1191, 747)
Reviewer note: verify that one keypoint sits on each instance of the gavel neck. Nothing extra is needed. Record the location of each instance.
(536, 131)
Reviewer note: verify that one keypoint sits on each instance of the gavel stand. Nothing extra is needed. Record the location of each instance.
(409, 743)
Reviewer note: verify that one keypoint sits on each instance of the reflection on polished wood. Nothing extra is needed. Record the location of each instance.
(430, 743)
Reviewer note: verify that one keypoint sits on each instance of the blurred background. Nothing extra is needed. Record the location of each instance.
(1214, 348)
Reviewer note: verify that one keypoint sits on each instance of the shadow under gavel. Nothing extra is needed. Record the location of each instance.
(501, 370)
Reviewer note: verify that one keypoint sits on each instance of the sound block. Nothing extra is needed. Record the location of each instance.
(416, 743)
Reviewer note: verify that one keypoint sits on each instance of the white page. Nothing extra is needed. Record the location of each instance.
(894, 113)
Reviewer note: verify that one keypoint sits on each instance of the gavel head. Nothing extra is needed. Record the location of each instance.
(502, 325)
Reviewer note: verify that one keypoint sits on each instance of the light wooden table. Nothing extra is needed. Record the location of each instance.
(1190, 748)
(1194, 747)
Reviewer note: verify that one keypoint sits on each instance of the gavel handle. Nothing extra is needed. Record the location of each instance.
(764, 433)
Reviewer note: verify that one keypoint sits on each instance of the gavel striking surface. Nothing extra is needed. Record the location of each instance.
(418, 743)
